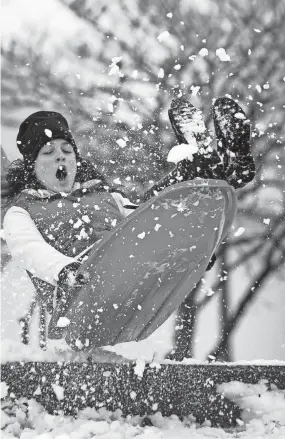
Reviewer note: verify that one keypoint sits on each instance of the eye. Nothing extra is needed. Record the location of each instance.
(67, 148)
(47, 149)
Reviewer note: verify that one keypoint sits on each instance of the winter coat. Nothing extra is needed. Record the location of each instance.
(46, 231)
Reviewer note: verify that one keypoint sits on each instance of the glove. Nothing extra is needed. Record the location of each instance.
(69, 283)
(70, 278)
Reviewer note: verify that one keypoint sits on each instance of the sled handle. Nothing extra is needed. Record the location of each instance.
(43, 327)
(25, 322)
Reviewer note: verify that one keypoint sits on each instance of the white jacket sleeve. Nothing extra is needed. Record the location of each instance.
(29, 248)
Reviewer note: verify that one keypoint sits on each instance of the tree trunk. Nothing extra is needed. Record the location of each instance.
(223, 352)
(184, 328)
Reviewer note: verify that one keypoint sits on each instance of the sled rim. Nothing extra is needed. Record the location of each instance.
(137, 330)
(212, 184)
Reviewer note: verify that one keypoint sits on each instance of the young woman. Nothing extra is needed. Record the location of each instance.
(61, 205)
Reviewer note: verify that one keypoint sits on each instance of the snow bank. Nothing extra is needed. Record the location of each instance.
(57, 351)
(28, 420)
(258, 401)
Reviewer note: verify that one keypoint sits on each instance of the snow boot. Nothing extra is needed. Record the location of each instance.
(188, 122)
(188, 125)
(232, 129)
(233, 160)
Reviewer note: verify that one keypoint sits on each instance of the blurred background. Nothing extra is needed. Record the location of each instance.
(112, 68)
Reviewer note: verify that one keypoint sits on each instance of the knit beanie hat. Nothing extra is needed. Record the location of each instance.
(40, 128)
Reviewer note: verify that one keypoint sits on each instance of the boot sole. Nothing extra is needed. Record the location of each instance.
(232, 127)
(177, 107)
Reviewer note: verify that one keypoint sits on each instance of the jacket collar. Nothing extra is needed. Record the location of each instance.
(46, 193)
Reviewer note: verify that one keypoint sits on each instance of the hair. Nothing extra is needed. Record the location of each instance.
(21, 175)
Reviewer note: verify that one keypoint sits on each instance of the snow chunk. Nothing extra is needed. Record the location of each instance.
(38, 391)
(93, 429)
(59, 391)
(161, 73)
(257, 30)
(82, 234)
(157, 227)
(4, 389)
(139, 367)
(116, 59)
(181, 152)
(169, 15)
(266, 220)
(210, 292)
(195, 90)
(61, 436)
(239, 116)
(222, 54)
(117, 181)
(239, 231)
(63, 322)
(141, 235)
(163, 36)
(203, 52)
(110, 107)
(121, 142)
(114, 69)
(5, 420)
(79, 344)
(48, 133)
(154, 406)
(77, 224)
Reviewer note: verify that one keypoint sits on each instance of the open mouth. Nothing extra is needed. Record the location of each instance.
(61, 173)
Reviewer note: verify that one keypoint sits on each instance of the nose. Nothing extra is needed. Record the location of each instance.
(60, 157)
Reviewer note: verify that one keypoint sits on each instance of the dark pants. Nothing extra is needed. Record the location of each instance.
(237, 173)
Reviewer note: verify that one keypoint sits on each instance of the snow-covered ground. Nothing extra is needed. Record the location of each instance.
(263, 408)
(263, 417)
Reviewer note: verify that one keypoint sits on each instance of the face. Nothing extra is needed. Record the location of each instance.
(55, 166)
